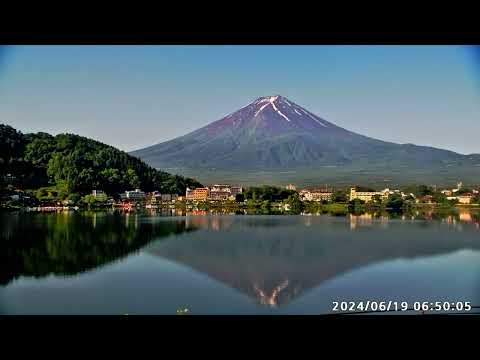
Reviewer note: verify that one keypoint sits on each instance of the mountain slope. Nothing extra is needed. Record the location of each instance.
(274, 133)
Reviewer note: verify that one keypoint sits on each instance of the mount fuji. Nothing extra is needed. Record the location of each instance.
(273, 133)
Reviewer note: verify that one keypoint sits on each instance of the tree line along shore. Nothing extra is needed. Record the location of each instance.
(263, 199)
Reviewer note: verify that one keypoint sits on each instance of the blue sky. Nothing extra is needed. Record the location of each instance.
(134, 96)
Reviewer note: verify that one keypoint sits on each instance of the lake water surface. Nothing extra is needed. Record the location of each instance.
(121, 263)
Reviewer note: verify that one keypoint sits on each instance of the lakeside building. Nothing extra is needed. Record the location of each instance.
(100, 195)
(155, 198)
(291, 187)
(224, 192)
(168, 198)
(465, 199)
(427, 199)
(220, 188)
(220, 195)
(200, 194)
(316, 195)
(189, 194)
(368, 196)
(197, 194)
(451, 192)
(133, 195)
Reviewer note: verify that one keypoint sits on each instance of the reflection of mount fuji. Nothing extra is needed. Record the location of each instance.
(274, 260)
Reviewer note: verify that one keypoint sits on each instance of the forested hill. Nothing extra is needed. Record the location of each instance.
(78, 165)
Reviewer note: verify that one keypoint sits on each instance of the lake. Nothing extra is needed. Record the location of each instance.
(139, 263)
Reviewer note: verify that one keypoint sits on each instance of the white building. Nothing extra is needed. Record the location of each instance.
(135, 195)
(368, 196)
(221, 187)
(316, 195)
(224, 192)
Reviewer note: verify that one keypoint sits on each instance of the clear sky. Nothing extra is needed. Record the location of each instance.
(134, 96)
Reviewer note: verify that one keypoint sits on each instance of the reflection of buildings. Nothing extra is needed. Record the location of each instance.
(465, 216)
(367, 219)
(360, 220)
(308, 219)
(384, 221)
(199, 220)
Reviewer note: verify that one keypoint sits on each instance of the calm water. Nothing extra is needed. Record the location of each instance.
(115, 263)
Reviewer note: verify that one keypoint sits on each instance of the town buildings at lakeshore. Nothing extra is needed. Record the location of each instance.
(316, 195)
(458, 194)
(217, 192)
(225, 192)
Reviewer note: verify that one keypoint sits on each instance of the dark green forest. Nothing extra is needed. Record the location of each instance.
(76, 164)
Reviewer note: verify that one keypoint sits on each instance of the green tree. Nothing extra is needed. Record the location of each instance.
(395, 202)
(418, 190)
(82, 164)
(74, 197)
(377, 199)
(132, 179)
(89, 200)
(356, 203)
(266, 206)
(464, 191)
(339, 196)
(296, 205)
(240, 197)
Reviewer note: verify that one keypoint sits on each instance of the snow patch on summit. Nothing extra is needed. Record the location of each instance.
(269, 101)
(259, 110)
(272, 101)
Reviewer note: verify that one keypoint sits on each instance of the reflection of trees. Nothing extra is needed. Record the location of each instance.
(66, 244)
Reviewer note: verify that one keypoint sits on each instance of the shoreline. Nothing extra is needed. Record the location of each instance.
(258, 208)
